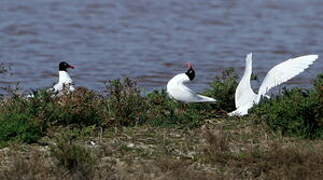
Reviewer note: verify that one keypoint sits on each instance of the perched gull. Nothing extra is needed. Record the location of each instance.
(245, 98)
(65, 83)
(178, 91)
(64, 79)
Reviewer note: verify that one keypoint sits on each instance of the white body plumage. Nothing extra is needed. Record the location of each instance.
(177, 90)
(65, 82)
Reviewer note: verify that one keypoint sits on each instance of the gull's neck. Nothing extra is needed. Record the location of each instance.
(181, 78)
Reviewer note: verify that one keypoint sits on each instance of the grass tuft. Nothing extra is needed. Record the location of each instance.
(125, 105)
(77, 159)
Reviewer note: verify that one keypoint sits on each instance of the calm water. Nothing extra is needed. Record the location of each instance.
(150, 40)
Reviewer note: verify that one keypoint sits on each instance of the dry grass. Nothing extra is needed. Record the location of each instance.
(221, 149)
(29, 166)
(250, 153)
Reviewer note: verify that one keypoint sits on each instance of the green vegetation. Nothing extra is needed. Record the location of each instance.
(295, 112)
(166, 112)
(122, 134)
(124, 106)
(223, 89)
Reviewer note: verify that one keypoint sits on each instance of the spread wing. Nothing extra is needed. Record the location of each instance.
(284, 72)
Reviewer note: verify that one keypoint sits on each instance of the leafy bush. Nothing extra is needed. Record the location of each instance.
(125, 106)
(223, 90)
(318, 85)
(18, 120)
(27, 120)
(296, 112)
(19, 127)
(81, 107)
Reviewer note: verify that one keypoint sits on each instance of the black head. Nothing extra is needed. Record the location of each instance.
(190, 72)
(63, 66)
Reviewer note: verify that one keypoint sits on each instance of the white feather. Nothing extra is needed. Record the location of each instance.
(178, 91)
(245, 98)
(64, 82)
(244, 94)
(284, 72)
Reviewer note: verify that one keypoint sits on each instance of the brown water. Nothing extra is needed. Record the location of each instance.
(150, 40)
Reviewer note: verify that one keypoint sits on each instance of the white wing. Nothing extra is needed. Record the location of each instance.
(284, 72)
(187, 95)
(57, 87)
(244, 94)
(193, 97)
(205, 98)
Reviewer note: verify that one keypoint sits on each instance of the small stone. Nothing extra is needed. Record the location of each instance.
(92, 143)
(131, 145)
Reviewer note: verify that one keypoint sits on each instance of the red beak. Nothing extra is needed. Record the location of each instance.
(72, 67)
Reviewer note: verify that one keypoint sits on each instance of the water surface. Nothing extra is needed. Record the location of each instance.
(151, 40)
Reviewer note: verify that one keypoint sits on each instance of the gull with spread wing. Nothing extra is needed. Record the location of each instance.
(245, 98)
